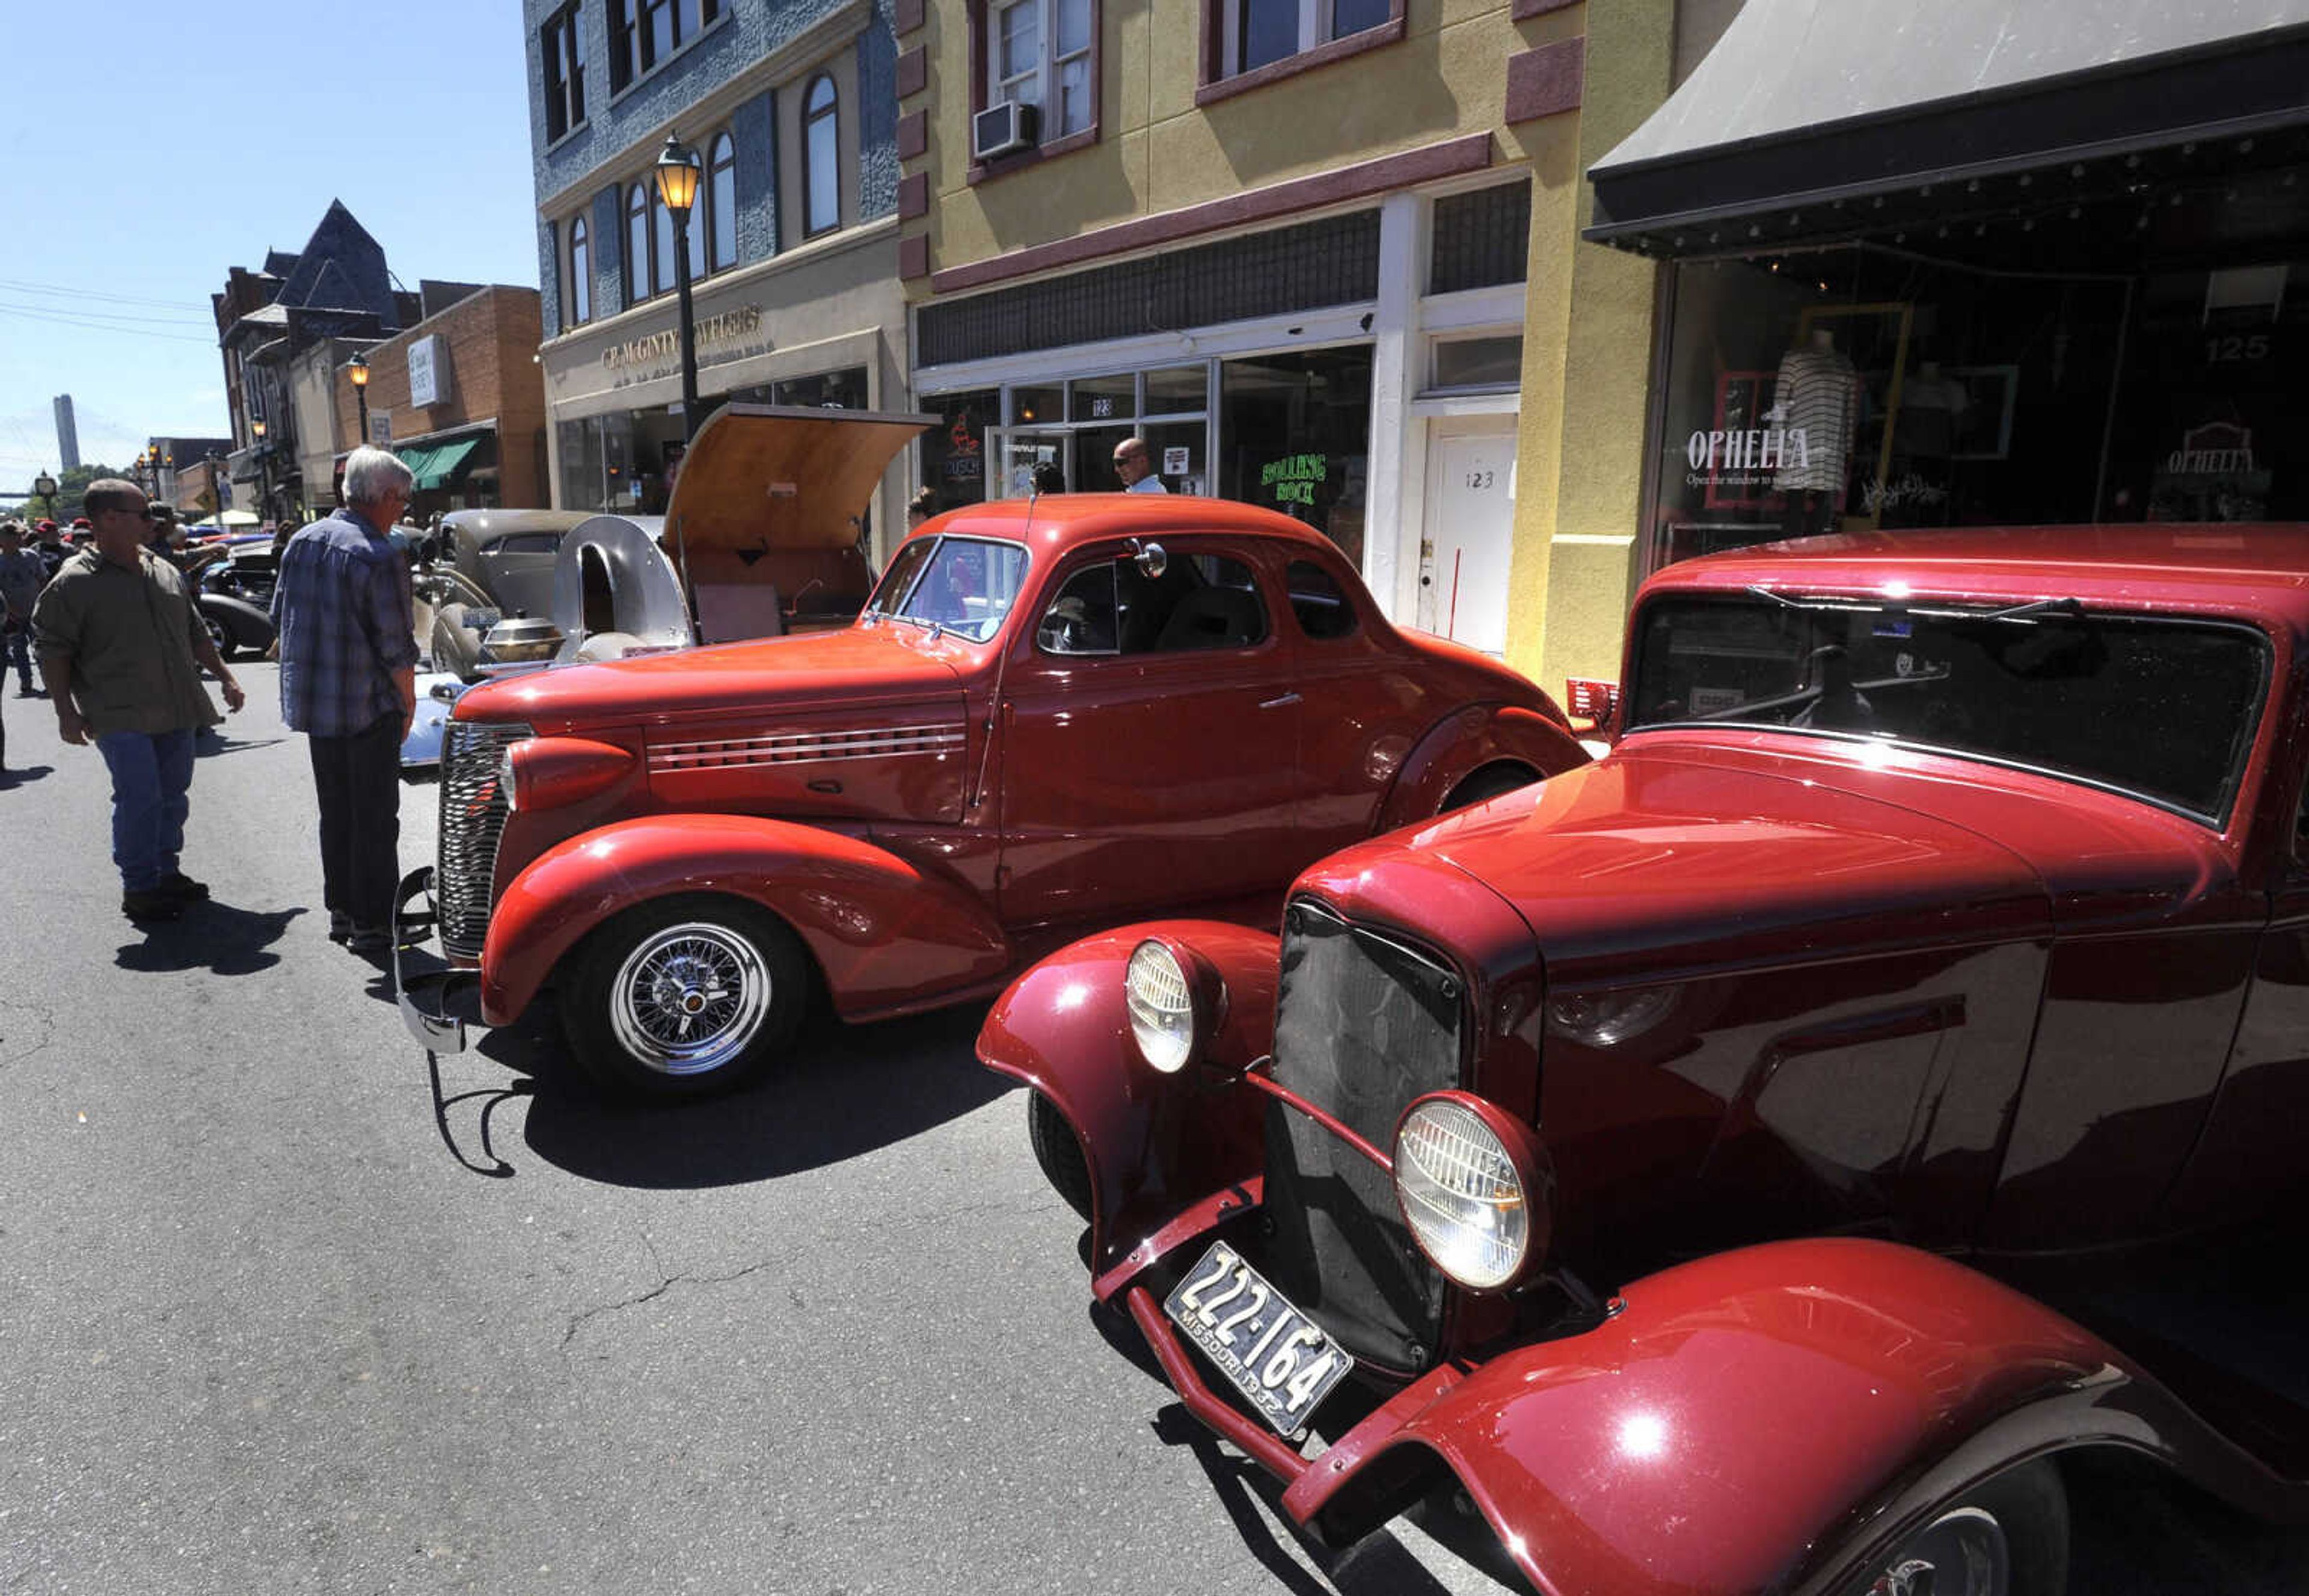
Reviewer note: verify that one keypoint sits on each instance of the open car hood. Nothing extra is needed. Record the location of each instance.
(764, 533)
(759, 478)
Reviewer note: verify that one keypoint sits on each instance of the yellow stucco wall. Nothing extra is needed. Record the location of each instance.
(1158, 152)
(1588, 342)
(1588, 309)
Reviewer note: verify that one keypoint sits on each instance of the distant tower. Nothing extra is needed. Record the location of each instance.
(67, 435)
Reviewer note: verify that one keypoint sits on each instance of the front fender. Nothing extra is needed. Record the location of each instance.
(1747, 1422)
(1154, 1143)
(885, 935)
(1464, 743)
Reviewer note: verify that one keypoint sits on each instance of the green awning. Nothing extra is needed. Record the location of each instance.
(419, 458)
(443, 462)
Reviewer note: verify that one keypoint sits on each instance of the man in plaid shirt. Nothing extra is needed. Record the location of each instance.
(348, 681)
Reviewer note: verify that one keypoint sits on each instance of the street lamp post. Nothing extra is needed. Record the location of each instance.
(263, 469)
(677, 171)
(358, 371)
(45, 486)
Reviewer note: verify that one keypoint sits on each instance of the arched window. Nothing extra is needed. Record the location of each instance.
(662, 278)
(581, 273)
(638, 244)
(722, 203)
(821, 190)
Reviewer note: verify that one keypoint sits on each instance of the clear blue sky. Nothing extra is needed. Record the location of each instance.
(146, 149)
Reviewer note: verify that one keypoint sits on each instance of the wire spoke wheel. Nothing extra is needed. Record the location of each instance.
(689, 998)
(1962, 1553)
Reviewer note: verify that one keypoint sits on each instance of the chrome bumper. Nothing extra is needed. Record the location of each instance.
(431, 1001)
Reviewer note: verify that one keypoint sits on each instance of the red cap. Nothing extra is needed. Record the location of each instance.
(48, 526)
(81, 521)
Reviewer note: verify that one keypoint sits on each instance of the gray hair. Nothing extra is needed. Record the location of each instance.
(371, 473)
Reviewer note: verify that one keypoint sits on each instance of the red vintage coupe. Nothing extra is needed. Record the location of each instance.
(1052, 715)
(1681, 1161)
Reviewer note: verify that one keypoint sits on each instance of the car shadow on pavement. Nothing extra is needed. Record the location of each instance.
(843, 1091)
(1379, 1564)
(212, 936)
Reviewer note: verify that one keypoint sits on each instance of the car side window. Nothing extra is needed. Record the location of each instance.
(1202, 600)
(1323, 611)
(1082, 619)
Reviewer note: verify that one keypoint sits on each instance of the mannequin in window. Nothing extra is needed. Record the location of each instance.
(1818, 394)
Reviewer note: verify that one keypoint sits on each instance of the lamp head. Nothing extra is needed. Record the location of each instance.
(358, 370)
(677, 169)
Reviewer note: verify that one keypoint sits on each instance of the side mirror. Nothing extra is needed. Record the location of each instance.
(1152, 562)
(1595, 702)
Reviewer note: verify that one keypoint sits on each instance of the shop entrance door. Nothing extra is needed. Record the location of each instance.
(1469, 530)
(1015, 452)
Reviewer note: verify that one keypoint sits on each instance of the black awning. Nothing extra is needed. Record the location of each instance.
(1810, 114)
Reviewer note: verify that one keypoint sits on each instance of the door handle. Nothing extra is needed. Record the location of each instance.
(1287, 698)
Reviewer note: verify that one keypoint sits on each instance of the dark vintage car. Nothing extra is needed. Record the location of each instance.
(1729, 1166)
(478, 567)
(234, 590)
(1052, 715)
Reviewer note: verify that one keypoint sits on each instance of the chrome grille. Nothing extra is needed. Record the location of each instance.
(473, 819)
(1364, 1022)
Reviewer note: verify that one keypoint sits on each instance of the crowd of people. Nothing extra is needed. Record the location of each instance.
(110, 611)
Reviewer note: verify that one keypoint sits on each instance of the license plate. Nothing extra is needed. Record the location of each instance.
(1274, 1354)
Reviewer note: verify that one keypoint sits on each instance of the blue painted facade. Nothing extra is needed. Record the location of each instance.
(624, 130)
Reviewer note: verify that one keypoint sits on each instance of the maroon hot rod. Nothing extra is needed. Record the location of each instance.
(1682, 1160)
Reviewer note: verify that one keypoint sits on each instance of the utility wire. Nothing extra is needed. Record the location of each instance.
(68, 321)
(81, 294)
(110, 316)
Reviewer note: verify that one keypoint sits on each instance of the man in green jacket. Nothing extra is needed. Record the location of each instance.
(121, 643)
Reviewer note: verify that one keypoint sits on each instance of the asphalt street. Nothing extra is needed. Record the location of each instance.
(279, 1315)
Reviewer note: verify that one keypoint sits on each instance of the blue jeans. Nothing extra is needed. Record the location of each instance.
(151, 781)
(20, 653)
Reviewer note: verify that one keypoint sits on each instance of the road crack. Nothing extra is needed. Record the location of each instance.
(665, 1283)
(38, 1018)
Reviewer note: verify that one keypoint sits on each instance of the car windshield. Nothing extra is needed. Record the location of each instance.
(2163, 709)
(959, 585)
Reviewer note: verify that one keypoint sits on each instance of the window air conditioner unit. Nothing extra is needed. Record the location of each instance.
(1000, 129)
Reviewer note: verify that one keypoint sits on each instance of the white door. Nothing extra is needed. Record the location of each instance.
(1469, 530)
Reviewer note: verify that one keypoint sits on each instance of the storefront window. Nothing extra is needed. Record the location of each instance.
(825, 390)
(1043, 404)
(1857, 389)
(1464, 363)
(1294, 435)
(1177, 389)
(597, 462)
(954, 453)
(1103, 398)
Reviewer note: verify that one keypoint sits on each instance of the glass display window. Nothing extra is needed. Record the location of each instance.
(1294, 435)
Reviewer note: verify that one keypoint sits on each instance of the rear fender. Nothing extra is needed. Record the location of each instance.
(1463, 744)
(1154, 1143)
(884, 934)
(1760, 1419)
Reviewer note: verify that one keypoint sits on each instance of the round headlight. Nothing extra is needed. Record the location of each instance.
(1475, 1204)
(1161, 1003)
